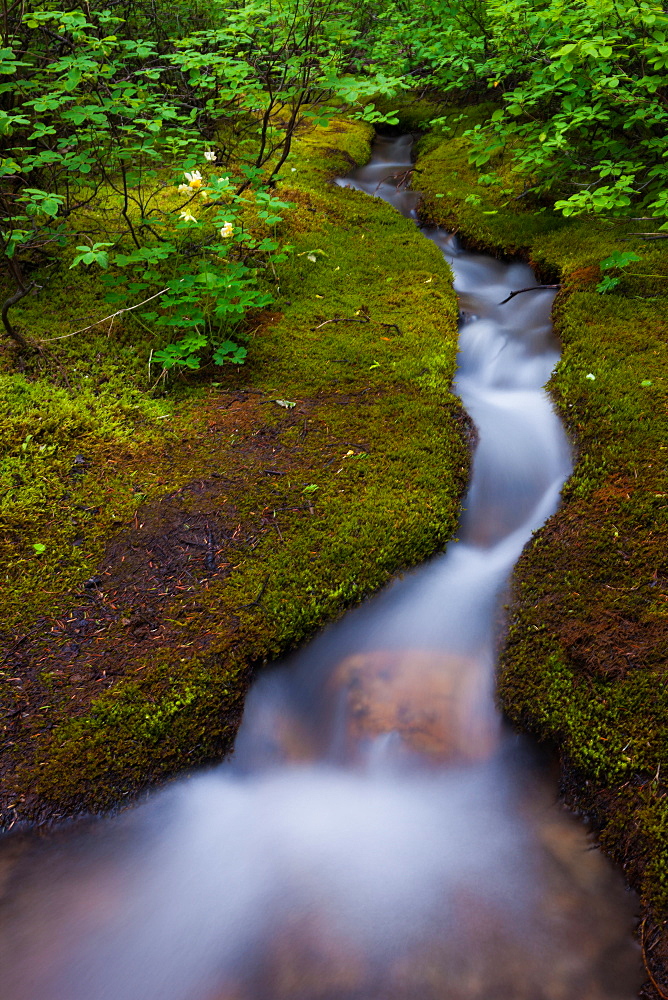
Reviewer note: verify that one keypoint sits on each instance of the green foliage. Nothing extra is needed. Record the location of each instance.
(618, 260)
(98, 107)
(579, 88)
(96, 254)
(205, 295)
(582, 91)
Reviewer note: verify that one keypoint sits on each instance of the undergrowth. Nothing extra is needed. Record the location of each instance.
(334, 458)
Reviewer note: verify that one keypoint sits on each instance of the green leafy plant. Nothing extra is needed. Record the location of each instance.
(96, 105)
(206, 298)
(97, 253)
(618, 260)
(581, 92)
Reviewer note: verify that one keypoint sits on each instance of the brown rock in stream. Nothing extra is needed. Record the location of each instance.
(435, 701)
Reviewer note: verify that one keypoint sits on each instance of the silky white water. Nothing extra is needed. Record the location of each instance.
(379, 832)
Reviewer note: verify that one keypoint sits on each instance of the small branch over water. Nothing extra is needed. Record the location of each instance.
(519, 291)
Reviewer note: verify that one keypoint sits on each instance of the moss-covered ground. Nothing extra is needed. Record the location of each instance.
(585, 662)
(157, 547)
(158, 544)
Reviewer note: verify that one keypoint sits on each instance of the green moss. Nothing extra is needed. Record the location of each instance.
(142, 731)
(374, 427)
(609, 729)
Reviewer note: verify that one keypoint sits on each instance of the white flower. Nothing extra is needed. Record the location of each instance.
(187, 215)
(204, 195)
(209, 154)
(184, 187)
(312, 257)
(590, 377)
(194, 179)
(293, 170)
(227, 230)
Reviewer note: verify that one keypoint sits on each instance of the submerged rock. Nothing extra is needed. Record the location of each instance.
(432, 700)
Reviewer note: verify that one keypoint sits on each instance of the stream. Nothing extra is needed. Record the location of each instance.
(380, 833)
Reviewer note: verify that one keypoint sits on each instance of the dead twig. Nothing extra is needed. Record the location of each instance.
(646, 963)
(357, 319)
(254, 604)
(403, 179)
(12, 649)
(210, 557)
(648, 236)
(520, 290)
(112, 317)
(343, 319)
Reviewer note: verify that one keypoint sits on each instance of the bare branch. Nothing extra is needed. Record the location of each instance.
(112, 317)
(7, 305)
(358, 319)
(520, 290)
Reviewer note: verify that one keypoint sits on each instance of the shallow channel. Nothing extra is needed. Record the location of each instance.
(380, 834)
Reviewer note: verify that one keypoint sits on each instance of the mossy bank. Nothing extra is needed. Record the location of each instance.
(585, 662)
(157, 547)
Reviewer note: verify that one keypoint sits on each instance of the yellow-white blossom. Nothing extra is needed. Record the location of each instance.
(209, 155)
(187, 215)
(194, 179)
(184, 187)
(227, 230)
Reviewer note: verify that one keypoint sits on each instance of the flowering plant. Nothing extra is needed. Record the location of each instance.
(96, 111)
(206, 303)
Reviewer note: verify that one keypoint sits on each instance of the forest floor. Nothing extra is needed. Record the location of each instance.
(158, 546)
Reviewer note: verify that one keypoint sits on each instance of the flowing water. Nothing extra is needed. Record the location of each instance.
(379, 834)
